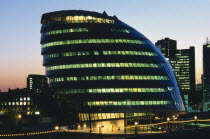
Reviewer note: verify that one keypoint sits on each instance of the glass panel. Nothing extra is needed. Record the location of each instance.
(90, 41)
(119, 103)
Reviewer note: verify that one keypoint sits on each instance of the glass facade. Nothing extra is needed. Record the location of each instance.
(181, 68)
(109, 66)
(99, 116)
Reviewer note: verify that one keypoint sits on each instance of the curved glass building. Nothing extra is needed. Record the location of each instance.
(111, 68)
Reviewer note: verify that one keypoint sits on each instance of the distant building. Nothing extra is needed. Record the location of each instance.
(18, 100)
(35, 104)
(206, 77)
(184, 69)
(37, 83)
(27, 101)
(167, 46)
(24, 107)
(183, 64)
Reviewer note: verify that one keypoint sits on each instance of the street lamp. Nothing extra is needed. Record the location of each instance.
(195, 118)
(136, 123)
(18, 120)
(56, 127)
(168, 119)
(19, 116)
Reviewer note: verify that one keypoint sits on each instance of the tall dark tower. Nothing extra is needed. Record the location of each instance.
(206, 77)
(167, 46)
(109, 68)
(184, 68)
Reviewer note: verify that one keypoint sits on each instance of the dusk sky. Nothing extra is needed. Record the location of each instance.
(187, 21)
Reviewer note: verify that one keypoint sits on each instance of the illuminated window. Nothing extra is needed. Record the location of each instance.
(103, 65)
(116, 77)
(124, 103)
(87, 19)
(37, 113)
(58, 79)
(96, 53)
(113, 90)
(129, 53)
(69, 42)
(56, 18)
(121, 30)
(65, 31)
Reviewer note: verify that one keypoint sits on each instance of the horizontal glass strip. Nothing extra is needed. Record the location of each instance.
(124, 103)
(81, 19)
(103, 65)
(98, 116)
(112, 90)
(70, 30)
(87, 19)
(121, 30)
(110, 77)
(87, 53)
(129, 53)
(67, 42)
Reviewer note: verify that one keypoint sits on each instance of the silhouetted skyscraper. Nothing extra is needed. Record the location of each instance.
(167, 46)
(206, 77)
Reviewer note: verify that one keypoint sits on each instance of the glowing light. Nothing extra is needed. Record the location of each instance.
(37, 112)
(19, 116)
(195, 117)
(56, 127)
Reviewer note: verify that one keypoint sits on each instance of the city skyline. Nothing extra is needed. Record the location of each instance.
(20, 54)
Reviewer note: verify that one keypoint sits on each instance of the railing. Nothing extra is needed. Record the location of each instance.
(167, 126)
